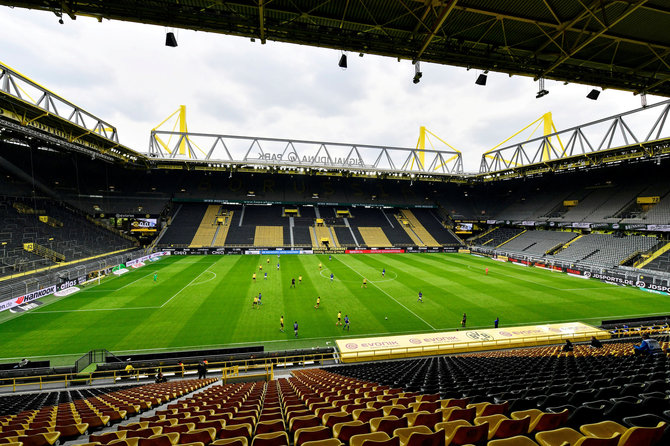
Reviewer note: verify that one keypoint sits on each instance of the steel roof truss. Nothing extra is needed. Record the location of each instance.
(660, 123)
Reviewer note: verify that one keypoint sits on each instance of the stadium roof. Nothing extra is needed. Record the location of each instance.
(621, 44)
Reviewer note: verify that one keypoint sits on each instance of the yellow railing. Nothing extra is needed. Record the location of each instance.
(264, 371)
(244, 365)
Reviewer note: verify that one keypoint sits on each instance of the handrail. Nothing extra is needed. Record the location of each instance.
(137, 374)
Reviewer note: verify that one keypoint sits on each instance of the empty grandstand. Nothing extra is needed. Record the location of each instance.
(103, 247)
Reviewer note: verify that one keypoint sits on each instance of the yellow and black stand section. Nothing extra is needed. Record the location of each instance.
(247, 372)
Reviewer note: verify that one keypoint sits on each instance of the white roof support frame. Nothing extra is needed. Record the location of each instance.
(229, 150)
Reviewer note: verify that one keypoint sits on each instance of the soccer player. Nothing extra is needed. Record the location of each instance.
(299, 279)
(295, 328)
(155, 277)
(464, 320)
(330, 257)
(346, 323)
(318, 302)
(266, 276)
(320, 266)
(365, 283)
(260, 267)
(383, 272)
(255, 305)
(277, 266)
(292, 283)
(339, 318)
(253, 277)
(268, 262)
(281, 323)
(495, 323)
(259, 299)
(486, 271)
(420, 299)
(331, 277)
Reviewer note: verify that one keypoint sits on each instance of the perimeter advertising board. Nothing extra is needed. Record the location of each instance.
(11, 303)
(365, 349)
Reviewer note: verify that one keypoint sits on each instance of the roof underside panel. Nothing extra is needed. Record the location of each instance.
(622, 44)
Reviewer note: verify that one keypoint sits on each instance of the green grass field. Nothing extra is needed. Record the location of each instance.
(206, 302)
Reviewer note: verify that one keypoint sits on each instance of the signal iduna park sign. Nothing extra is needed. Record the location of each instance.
(427, 344)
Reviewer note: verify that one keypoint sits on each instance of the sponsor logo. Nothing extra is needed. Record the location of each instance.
(67, 284)
(477, 336)
(439, 339)
(351, 346)
(374, 251)
(27, 298)
(415, 341)
(293, 157)
(587, 274)
(67, 292)
(378, 344)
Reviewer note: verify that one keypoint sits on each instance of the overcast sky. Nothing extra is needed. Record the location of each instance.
(124, 74)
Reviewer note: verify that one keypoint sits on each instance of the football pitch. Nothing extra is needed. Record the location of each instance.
(202, 302)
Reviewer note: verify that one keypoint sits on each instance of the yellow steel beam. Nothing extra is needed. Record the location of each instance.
(555, 26)
(261, 19)
(182, 129)
(591, 39)
(443, 141)
(517, 133)
(446, 10)
(165, 120)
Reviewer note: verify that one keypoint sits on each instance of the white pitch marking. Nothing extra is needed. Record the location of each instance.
(396, 300)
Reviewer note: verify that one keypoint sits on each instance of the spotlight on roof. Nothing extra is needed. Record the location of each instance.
(481, 79)
(417, 72)
(170, 39)
(593, 94)
(343, 62)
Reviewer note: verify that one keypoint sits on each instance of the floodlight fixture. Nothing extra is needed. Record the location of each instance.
(417, 72)
(170, 39)
(481, 79)
(593, 94)
(343, 62)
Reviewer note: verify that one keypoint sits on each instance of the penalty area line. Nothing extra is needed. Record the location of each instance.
(393, 298)
(189, 284)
